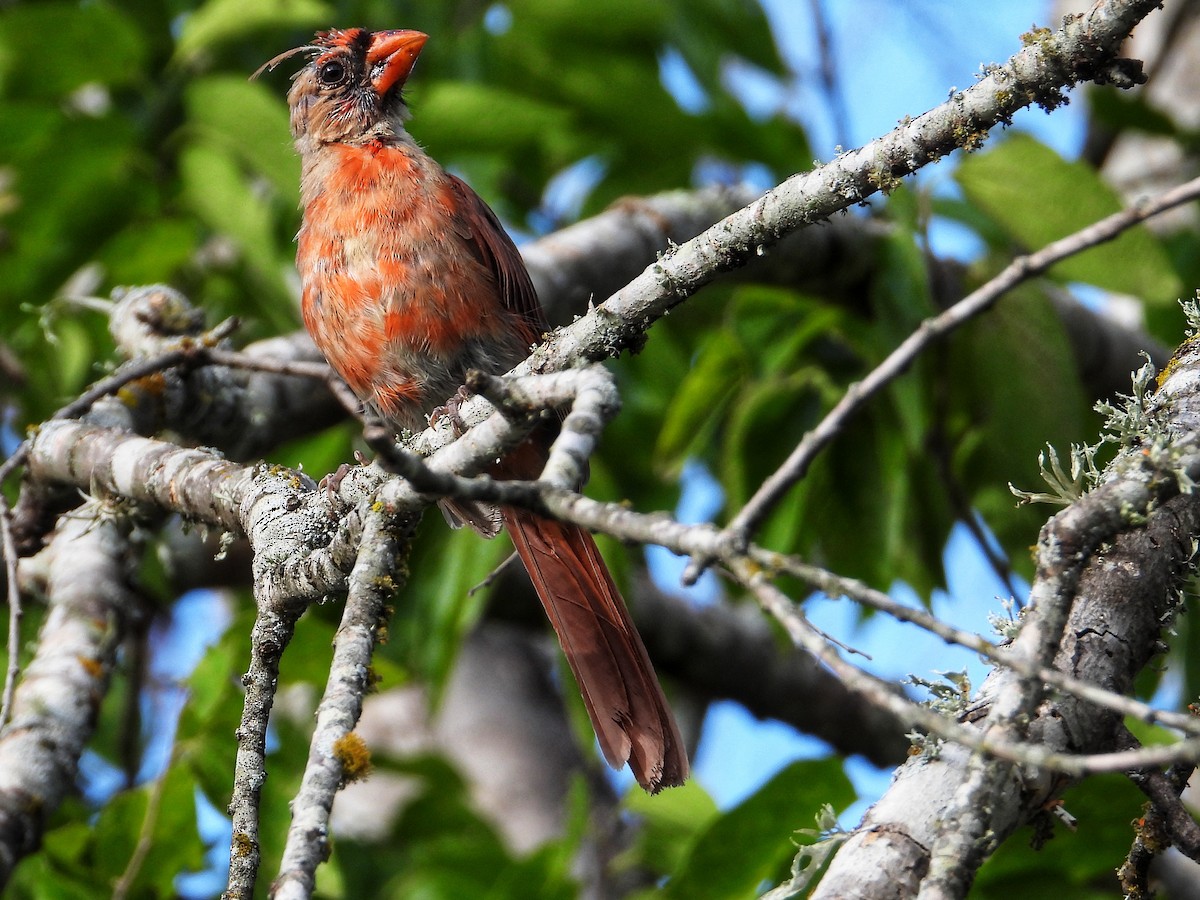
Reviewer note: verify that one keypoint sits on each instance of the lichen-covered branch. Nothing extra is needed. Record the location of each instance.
(1101, 615)
(56, 704)
(336, 755)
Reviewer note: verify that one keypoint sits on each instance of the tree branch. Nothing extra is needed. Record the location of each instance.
(336, 756)
(56, 704)
(1102, 613)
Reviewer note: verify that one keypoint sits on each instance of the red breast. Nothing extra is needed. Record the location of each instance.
(392, 296)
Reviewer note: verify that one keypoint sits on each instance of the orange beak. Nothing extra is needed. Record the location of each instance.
(392, 55)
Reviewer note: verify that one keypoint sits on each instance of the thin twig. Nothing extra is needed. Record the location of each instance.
(1163, 790)
(77, 407)
(13, 593)
(1164, 823)
(828, 71)
(128, 373)
(273, 630)
(708, 541)
(884, 694)
(835, 585)
(145, 840)
(334, 756)
(132, 371)
(1021, 269)
(235, 359)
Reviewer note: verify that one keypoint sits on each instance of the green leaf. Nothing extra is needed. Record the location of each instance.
(465, 117)
(671, 823)
(900, 300)
(149, 252)
(858, 508)
(38, 878)
(769, 417)
(442, 848)
(1075, 864)
(436, 609)
(1069, 196)
(777, 326)
(26, 129)
(1122, 112)
(250, 123)
(218, 22)
(1149, 735)
(70, 193)
(75, 352)
(700, 401)
(310, 652)
(778, 143)
(753, 842)
(213, 711)
(167, 834)
(320, 454)
(67, 845)
(72, 44)
(219, 193)
(1185, 656)
(1000, 370)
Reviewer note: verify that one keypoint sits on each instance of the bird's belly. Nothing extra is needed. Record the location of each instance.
(402, 324)
(392, 295)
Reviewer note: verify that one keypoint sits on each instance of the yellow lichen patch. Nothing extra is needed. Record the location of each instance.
(1187, 347)
(1036, 36)
(243, 845)
(373, 679)
(154, 385)
(352, 754)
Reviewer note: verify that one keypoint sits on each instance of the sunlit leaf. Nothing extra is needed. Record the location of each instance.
(753, 841)
(1068, 196)
(701, 398)
(219, 21)
(671, 822)
(249, 122)
(222, 196)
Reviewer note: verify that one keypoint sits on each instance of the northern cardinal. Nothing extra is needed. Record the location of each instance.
(409, 280)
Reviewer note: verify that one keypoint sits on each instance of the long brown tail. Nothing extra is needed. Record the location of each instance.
(622, 694)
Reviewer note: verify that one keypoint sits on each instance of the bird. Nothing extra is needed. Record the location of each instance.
(408, 281)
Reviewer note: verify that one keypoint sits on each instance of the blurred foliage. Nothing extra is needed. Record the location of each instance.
(133, 149)
(1074, 863)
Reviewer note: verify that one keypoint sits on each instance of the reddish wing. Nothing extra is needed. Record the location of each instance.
(494, 249)
(629, 713)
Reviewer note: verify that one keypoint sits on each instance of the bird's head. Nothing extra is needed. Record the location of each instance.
(352, 83)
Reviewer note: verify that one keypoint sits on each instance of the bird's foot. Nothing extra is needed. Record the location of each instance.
(452, 412)
(332, 482)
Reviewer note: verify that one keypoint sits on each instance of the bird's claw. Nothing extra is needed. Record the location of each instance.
(452, 412)
(332, 482)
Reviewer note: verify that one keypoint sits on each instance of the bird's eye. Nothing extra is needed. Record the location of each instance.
(331, 73)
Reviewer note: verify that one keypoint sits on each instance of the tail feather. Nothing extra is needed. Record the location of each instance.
(627, 707)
